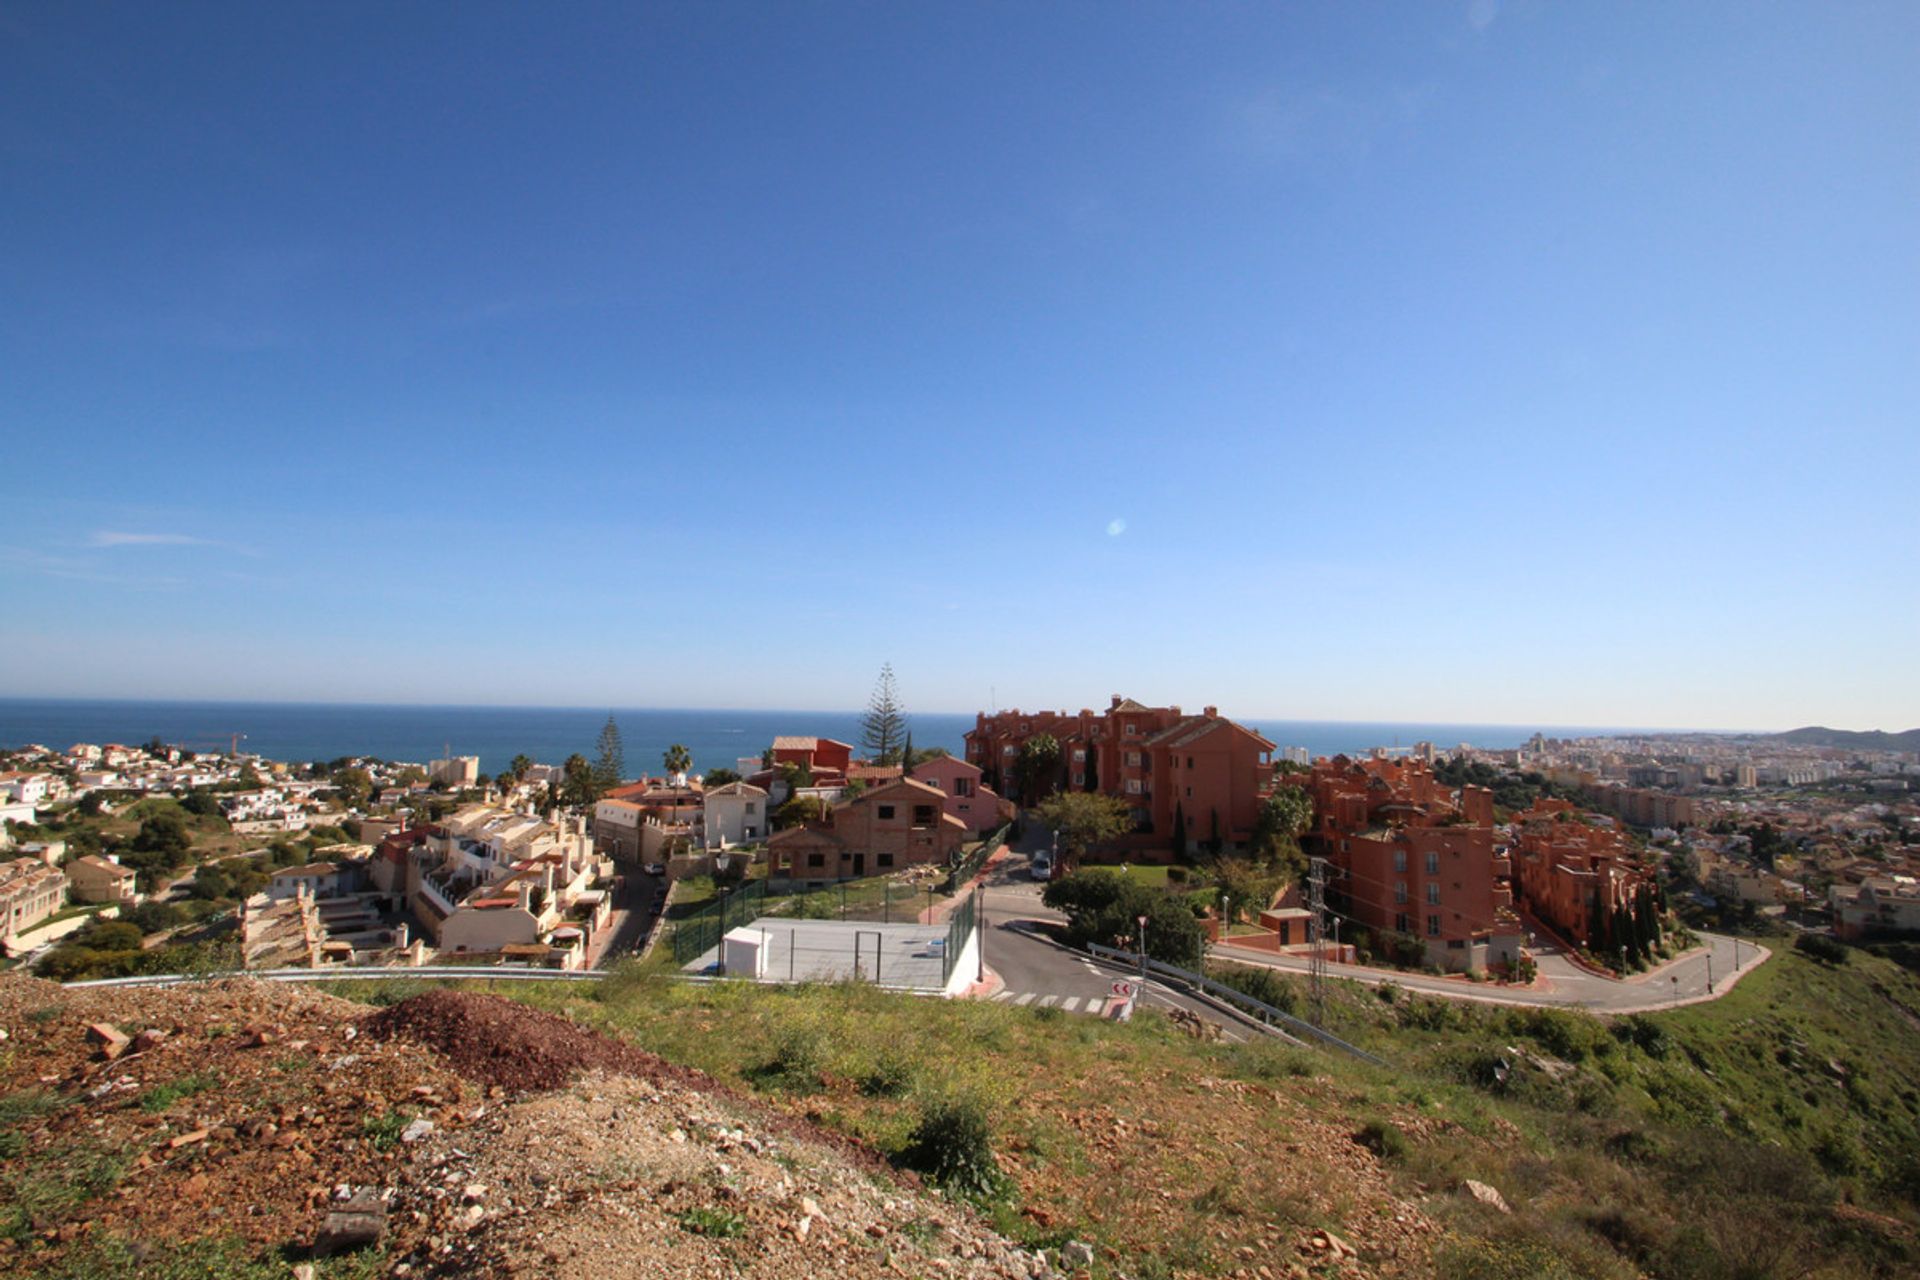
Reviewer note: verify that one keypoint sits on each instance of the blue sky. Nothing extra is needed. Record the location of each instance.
(1492, 362)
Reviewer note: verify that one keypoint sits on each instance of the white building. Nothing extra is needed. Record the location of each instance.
(735, 814)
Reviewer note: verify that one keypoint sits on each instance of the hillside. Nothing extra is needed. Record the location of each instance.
(1648, 1146)
(1857, 739)
(494, 1141)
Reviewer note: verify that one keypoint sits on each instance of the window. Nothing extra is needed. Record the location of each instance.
(1433, 926)
(1079, 777)
(1133, 786)
(1133, 759)
(1132, 730)
(1433, 894)
(1400, 891)
(1433, 864)
(1189, 793)
(886, 812)
(1399, 859)
(1189, 762)
(923, 815)
(1079, 754)
(886, 859)
(753, 807)
(963, 786)
(816, 859)
(1009, 749)
(1400, 922)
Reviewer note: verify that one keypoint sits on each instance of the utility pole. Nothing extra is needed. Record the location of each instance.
(1316, 939)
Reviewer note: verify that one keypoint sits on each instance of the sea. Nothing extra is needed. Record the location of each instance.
(302, 732)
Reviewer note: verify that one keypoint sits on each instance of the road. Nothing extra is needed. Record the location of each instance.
(1562, 983)
(1040, 974)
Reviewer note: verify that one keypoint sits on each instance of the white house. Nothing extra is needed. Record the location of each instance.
(735, 814)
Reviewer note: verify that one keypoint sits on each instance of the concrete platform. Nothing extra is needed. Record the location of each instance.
(907, 956)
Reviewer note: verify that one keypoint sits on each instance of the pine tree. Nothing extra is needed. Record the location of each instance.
(885, 723)
(611, 765)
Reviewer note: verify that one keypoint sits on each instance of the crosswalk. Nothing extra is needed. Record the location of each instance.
(1037, 1000)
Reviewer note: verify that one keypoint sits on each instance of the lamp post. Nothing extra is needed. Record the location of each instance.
(1709, 971)
(1143, 947)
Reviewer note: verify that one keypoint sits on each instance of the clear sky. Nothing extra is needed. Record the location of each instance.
(1486, 361)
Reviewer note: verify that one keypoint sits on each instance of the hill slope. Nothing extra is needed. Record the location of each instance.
(1856, 739)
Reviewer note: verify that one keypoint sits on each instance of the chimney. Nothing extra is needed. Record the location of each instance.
(1115, 703)
(1212, 713)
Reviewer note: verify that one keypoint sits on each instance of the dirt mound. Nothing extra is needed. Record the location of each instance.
(497, 1042)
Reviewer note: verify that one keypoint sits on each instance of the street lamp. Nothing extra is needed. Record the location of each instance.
(1143, 947)
(1709, 971)
(1676, 987)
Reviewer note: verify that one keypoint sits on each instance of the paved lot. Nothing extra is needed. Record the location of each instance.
(907, 956)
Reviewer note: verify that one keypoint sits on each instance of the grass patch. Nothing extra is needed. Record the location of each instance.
(383, 1131)
(703, 1220)
(161, 1097)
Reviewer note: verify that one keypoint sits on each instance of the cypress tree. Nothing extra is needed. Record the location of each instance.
(610, 766)
(885, 723)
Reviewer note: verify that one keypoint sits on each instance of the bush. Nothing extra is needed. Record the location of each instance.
(952, 1145)
(796, 1063)
(1820, 947)
(1382, 1138)
(890, 1077)
(1644, 1034)
(1263, 985)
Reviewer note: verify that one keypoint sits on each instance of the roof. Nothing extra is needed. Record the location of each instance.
(740, 788)
(311, 869)
(1191, 729)
(94, 862)
(788, 742)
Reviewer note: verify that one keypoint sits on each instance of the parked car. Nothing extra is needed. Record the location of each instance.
(1042, 867)
(655, 868)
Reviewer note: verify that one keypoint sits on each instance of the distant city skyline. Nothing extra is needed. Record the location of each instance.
(1504, 363)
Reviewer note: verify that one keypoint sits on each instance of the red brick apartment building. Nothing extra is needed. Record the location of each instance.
(1410, 855)
(1205, 770)
(902, 824)
(1571, 873)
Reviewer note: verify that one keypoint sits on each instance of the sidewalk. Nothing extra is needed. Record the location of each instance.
(946, 906)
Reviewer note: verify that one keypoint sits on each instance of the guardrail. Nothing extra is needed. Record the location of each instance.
(969, 867)
(1221, 991)
(369, 973)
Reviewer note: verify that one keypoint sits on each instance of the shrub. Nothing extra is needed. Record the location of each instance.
(704, 1221)
(1263, 985)
(890, 1077)
(1382, 1138)
(1820, 947)
(796, 1063)
(1644, 1034)
(952, 1145)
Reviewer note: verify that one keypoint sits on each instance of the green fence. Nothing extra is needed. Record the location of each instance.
(882, 900)
(969, 867)
(960, 926)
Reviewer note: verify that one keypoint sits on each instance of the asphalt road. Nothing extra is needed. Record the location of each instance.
(1040, 974)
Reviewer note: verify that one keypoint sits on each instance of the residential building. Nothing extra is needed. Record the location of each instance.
(1202, 774)
(734, 814)
(455, 771)
(968, 798)
(889, 828)
(97, 879)
(1877, 905)
(30, 891)
(817, 755)
(1574, 874)
(1411, 856)
(488, 879)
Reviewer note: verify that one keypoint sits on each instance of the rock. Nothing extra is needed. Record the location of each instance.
(305, 1271)
(416, 1130)
(1077, 1253)
(1487, 1195)
(810, 1207)
(112, 1043)
(472, 1216)
(148, 1039)
(359, 1221)
(186, 1139)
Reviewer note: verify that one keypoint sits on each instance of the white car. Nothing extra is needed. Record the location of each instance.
(1042, 868)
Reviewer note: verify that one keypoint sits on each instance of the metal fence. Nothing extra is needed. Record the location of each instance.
(960, 926)
(1221, 991)
(969, 867)
(878, 901)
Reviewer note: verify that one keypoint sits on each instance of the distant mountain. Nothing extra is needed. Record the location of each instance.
(1869, 740)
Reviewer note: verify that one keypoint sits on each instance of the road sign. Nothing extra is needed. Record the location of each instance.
(1124, 989)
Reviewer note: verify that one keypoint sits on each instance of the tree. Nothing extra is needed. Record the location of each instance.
(520, 767)
(1037, 767)
(720, 777)
(1082, 820)
(354, 785)
(906, 754)
(884, 726)
(799, 809)
(610, 766)
(677, 759)
(1284, 817)
(164, 835)
(1105, 907)
(577, 781)
(1179, 832)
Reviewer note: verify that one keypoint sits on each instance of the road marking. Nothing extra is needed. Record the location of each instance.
(1002, 995)
(1071, 1004)
(1025, 997)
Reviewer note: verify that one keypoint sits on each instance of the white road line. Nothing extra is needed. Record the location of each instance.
(1001, 995)
(1071, 1004)
(1025, 997)
(1047, 1002)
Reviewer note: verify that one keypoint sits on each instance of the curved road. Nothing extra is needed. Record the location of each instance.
(1033, 968)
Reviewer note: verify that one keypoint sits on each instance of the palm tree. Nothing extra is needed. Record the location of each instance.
(521, 764)
(677, 759)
